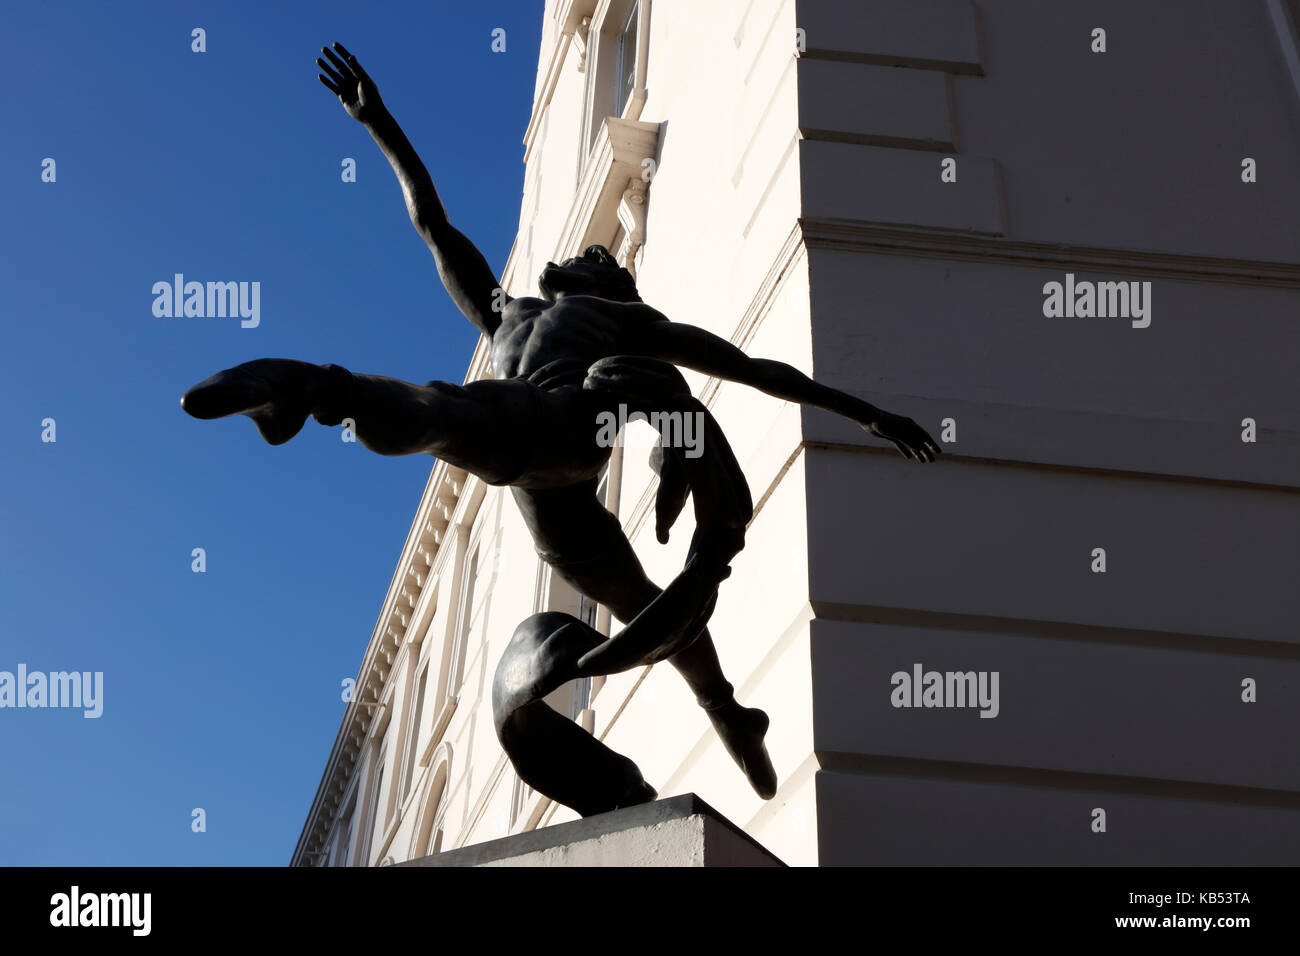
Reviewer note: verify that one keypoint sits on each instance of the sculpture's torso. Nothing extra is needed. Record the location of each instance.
(574, 328)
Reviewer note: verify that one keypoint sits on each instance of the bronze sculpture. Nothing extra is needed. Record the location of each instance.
(586, 346)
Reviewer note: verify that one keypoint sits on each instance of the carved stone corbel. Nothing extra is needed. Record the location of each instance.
(580, 43)
(632, 217)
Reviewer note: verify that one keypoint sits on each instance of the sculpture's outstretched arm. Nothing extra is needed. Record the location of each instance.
(695, 348)
(465, 273)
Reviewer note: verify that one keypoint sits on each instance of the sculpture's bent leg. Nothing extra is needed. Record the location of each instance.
(551, 753)
(708, 470)
(585, 544)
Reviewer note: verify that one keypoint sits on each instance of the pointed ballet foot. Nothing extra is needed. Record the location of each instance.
(742, 730)
(277, 394)
(231, 392)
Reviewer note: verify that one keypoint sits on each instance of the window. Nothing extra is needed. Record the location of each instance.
(413, 735)
(376, 831)
(625, 61)
(376, 807)
(579, 697)
(582, 689)
(428, 834)
(460, 646)
(343, 836)
(519, 800)
(345, 842)
(588, 610)
(616, 69)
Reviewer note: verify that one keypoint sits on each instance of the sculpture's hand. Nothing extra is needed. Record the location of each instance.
(911, 440)
(344, 77)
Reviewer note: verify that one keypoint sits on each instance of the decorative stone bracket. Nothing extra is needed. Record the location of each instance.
(580, 43)
(632, 216)
(614, 190)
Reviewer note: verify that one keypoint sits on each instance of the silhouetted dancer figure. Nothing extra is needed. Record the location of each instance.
(587, 345)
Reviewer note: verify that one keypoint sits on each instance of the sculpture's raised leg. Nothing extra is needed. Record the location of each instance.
(503, 430)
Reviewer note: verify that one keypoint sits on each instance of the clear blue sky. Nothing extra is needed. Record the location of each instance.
(221, 689)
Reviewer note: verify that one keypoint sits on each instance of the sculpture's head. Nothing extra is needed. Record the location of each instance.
(595, 272)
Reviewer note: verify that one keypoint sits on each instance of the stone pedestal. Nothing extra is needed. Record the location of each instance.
(677, 831)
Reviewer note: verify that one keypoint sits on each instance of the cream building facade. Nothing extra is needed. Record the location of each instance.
(773, 170)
